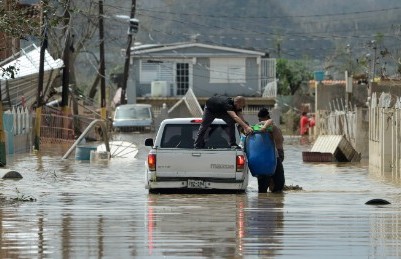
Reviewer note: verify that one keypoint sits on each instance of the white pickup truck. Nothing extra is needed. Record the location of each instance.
(173, 163)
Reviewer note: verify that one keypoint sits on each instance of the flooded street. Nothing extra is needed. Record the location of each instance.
(101, 210)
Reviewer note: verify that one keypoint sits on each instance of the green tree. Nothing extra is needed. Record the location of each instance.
(290, 76)
(16, 22)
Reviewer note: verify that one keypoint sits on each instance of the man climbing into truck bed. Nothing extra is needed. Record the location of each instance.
(226, 108)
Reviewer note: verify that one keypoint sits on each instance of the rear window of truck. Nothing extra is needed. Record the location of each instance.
(183, 136)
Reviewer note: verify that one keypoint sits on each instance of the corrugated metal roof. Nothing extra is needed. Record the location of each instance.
(25, 82)
(191, 107)
(337, 145)
(327, 143)
(27, 62)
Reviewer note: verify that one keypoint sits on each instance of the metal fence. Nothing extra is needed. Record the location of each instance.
(18, 124)
(56, 127)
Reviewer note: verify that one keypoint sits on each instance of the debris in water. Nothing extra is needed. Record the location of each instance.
(377, 202)
(12, 175)
(292, 188)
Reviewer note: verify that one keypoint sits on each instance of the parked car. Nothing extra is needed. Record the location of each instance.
(131, 117)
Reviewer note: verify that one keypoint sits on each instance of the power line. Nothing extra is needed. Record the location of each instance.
(275, 17)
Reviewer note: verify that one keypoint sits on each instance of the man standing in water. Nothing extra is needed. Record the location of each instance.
(275, 182)
(227, 109)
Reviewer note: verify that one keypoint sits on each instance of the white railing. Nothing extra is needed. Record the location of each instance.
(268, 77)
(339, 121)
(17, 124)
(270, 89)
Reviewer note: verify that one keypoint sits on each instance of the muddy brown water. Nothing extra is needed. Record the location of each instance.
(101, 210)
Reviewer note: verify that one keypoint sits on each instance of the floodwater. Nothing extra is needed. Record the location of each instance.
(76, 209)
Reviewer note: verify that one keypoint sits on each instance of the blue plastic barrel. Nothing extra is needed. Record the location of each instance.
(261, 153)
(319, 75)
(83, 152)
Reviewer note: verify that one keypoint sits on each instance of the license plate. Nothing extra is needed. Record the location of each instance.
(199, 184)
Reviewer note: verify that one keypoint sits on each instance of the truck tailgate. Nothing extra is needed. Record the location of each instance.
(196, 163)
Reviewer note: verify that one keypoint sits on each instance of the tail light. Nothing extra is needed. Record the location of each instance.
(152, 162)
(240, 162)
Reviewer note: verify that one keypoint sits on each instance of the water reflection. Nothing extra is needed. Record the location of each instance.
(192, 225)
(264, 222)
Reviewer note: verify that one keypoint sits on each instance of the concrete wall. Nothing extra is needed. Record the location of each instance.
(385, 135)
(362, 132)
(384, 147)
(393, 87)
(326, 94)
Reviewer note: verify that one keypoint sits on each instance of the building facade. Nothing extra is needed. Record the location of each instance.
(170, 70)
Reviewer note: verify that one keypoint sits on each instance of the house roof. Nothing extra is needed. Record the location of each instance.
(174, 48)
(24, 84)
(27, 63)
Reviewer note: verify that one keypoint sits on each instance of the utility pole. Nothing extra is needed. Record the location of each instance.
(373, 45)
(66, 60)
(3, 157)
(65, 89)
(41, 77)
(133, 28)
(279, 50)
(374, 59)
(102, 68)
(66, 74)
(348, 79)
(65, 109)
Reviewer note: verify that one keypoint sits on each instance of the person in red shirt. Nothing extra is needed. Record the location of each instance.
(304, 124)
(312, 121)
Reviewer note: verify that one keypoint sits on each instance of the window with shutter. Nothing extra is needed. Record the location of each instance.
(227, 70)
(156, 71)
